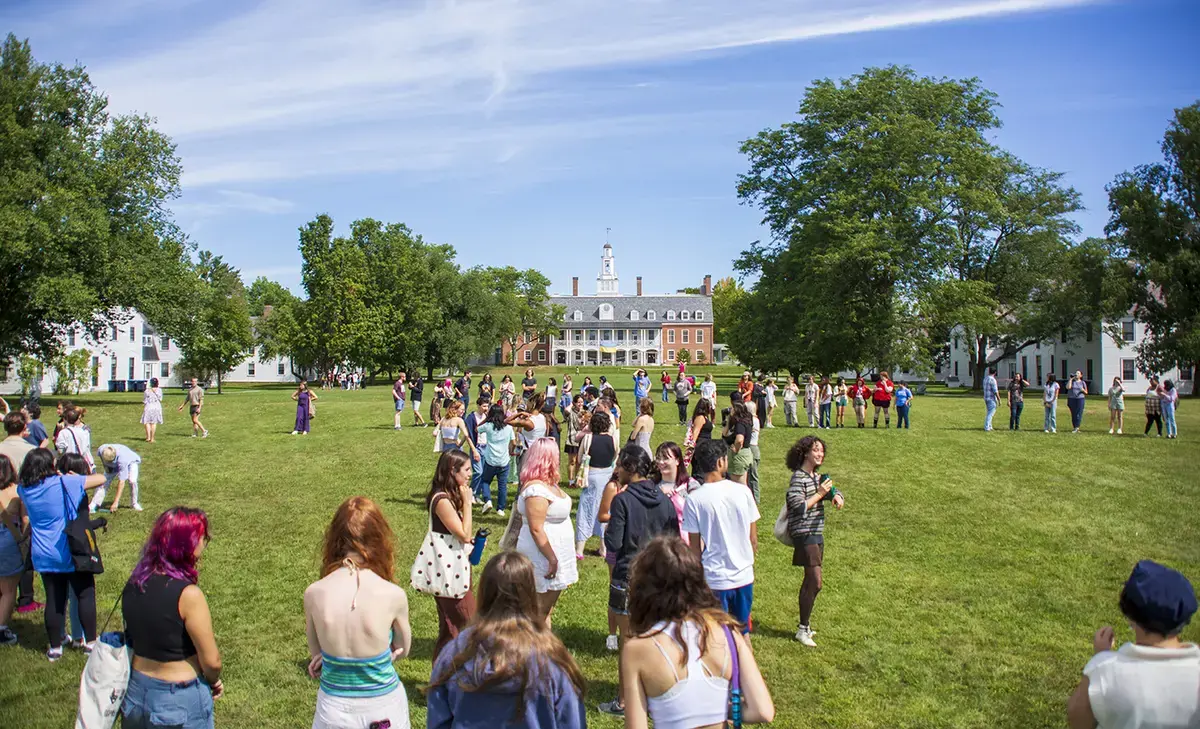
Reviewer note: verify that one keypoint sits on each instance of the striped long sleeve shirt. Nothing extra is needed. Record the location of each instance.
(804, 522)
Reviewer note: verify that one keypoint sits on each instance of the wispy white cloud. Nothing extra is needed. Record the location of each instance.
(296, 88)
(229, 201)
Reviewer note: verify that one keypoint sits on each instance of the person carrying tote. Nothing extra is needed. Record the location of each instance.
(356, 621)
(176, 666)
(600, 449)
(806, 497)
(449, 504)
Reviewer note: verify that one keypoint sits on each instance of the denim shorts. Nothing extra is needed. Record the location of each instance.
(150, 703)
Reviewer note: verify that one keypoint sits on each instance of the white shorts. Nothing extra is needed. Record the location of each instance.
(335, 712)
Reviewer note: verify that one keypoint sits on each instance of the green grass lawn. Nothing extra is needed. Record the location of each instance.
(963, 580)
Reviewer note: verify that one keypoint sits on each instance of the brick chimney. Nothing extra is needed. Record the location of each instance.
(574, 286)
(706, 289)
(639, 285)
(267, 309)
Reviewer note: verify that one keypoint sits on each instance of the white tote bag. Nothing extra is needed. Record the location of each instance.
(104, 681)
(443, 566)
(781, 527)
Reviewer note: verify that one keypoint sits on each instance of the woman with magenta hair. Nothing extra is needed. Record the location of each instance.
(176, 665)
(356, 619)
(547, 537)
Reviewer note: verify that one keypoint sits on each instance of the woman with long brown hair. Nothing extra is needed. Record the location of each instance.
(507, 666)
(449, 504)
(676, 668)
(356, 619)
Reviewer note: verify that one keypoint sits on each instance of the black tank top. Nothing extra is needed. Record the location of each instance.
(603, 451)
(706, 430)
(153, 627)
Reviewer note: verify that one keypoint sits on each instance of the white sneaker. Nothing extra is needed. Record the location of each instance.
(1054, 430)
(1110, 431)
(295, 432)
(612, 643)
(1119, 432)
(499, 512)
(487, 506)
(137, 507)
(805, 636)
(1045, 431)
(205, 434)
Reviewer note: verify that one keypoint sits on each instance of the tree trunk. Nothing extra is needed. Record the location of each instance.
(980, 363)
(218, 383)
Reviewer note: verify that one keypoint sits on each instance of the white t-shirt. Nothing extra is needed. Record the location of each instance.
(1140, 687)
(721, 513)
(708, 390)
(1051, 392)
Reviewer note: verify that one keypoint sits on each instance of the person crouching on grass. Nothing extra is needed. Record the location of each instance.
(1153, 681)
(122, 464)
(806, 498)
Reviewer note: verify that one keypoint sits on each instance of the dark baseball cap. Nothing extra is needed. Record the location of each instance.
(1160, 595)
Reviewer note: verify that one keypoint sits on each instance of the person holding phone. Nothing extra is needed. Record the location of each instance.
(1077, 391)
(806, 497)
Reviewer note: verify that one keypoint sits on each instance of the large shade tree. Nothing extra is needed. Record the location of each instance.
(217, 335)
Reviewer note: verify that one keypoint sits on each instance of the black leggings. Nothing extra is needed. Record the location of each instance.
(56, 585)
(808, 592)
(1155, 419)
(682, 410)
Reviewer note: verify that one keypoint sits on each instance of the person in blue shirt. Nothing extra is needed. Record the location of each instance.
(122, 464)
(991, 397)
(903, 397)
(51, 501)
(36, 432)
(641, 388)
(507, 669)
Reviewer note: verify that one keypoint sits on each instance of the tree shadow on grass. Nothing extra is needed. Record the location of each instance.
(583, 641)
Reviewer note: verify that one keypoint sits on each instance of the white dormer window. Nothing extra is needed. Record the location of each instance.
(606, 312)
(699, 315)
(670, 315)
(684, 315)
(633, 315)
(650, 315)
(578, 315)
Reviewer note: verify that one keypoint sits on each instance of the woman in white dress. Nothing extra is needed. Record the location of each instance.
(547, 536)
(152, 409)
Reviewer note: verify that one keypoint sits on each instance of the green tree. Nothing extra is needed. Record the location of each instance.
(1155, 221)
(217, 337)
(334, 326)
(523, 305)
(683, 356)
(29, 371)
(84, 227)
(73, 372)
(725, 296)
(264, 292)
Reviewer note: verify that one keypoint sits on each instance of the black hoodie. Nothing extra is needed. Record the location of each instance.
(638, 514)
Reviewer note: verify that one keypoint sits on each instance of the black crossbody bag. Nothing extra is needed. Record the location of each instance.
(81, 537)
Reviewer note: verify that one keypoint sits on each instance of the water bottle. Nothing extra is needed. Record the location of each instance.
(480, 542)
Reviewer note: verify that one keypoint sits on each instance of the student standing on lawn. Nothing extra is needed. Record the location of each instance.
(638, 514)
(487, 388)
(507, 668)
(904, 397)
(683, 391)
(671, 476)
(826, 413)
(528, 387)
(600, 449)
(1016, 400)
(574, 419)
(812, 394)
(737, 432)
(1170, 400)
(75, 437)
(304, 408)
(641, 387)
(666, 386)
(463, 387)
(399, 392)
(14, 529)
(676, 667)
(472, 423)
(1153, 681)
(452, 428)
(1077, 399)
(643, 426)
(546, 531)
(882, 398)
(841, 400)
(194, 400)
(507, 393)
(121, 464)
(1116, 407)
(449, 504)
(498, 442)
(806, 498)
(991, 398)
(790, 396)
(756, 457)
(702, 425)
(152, 414)
(861, 394)
(721, 518)
(1050, 400)
(356, 620)
(708, 390)
(36, 435)
(416, 391)
(1153, 405)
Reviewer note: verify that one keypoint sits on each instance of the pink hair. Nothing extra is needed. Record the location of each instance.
(541, 462)
(171, 547)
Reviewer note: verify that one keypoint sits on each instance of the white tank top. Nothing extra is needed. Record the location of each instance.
(697, 699)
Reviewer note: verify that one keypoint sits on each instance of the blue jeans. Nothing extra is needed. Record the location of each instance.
(1076, 405)
(150, 703)
(1014, 415)
(666, 393)
(826, 407)
(902, 416)
(477, 476)
(1051, 416)
(991, 412)
(1168, 414)
(500, 473)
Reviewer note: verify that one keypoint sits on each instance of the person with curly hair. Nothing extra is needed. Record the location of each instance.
(806, 497)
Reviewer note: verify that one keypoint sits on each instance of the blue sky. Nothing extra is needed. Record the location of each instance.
(519, 130)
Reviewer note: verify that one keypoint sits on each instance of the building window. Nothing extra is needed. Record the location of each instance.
(164, 370)
(686, 335)
(956, 370)
(1024, 367)
(112, 369)
(633, 315)
(670, 315)
(147, 340)
(635, 335)
(1063, 336)
(131, 363)
(279, 368)
(578, 315)
(937, 368)
(1089, 332)
(591, 336)
(670, 355)
(165, 343)
(541, 355)
(95, 371)
(651, 316)
(699, 315)
(132, 334)
(71, 338)
(1089, 370)
(528, 355)
(684, 315)
(670, 336)
(699, 336)
(1038, 363)
(114, 334)
(699, 354)
(606, 335)
(1128, 370)
(250, 369)
(621, 336)
(1185, 374)
(1063, 366)
(1127, 331)
(970, 368)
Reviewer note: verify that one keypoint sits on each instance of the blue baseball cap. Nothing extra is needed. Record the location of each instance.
(1161, 595)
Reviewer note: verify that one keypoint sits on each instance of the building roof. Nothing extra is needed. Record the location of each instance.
(624, 306)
